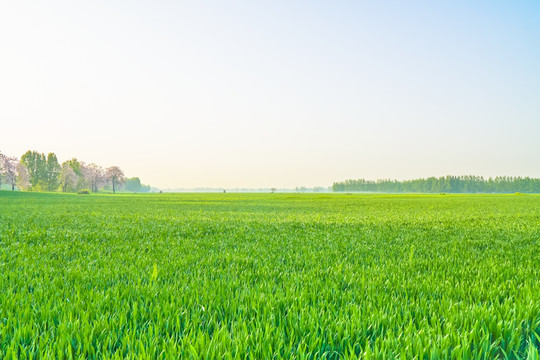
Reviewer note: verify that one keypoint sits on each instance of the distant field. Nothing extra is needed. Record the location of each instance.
(265, 276)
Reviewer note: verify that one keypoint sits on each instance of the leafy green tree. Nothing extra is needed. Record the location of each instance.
(85, 173)
(79, 168)
(36, 164)
(451, 184)
(133, 184)
(75, 165)
(52, 172)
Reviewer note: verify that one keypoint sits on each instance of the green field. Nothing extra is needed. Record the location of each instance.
(269, 276)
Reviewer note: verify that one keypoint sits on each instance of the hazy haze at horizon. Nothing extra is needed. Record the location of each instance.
(278, 94)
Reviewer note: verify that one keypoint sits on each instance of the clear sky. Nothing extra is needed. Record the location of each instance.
(274, 93)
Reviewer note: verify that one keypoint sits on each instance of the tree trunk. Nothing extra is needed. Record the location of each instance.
(12, 187)
(113, 189)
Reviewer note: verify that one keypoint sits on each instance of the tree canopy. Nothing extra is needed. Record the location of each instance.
(37, 172)
(446, 184)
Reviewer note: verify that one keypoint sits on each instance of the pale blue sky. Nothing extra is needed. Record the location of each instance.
(281, 93)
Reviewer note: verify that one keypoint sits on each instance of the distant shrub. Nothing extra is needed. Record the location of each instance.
(83, 192)
(442, 194)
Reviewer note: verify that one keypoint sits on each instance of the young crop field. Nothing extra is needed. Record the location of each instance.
(269, 276)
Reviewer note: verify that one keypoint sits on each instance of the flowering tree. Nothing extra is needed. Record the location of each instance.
(38, 172)
(68, 177)
(115, 175)
(94, 175)
(23, 177)
(9, 169)
(1, 170)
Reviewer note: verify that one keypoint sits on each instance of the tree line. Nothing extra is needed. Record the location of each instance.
(39, 172)
(446, 184)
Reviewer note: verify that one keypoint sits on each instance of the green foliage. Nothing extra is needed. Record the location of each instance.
(269, 276)
(44, 172)
(451, 184)
(134, 185)
(36, 164)
(52, 172)
(75, 165)
(83, 192)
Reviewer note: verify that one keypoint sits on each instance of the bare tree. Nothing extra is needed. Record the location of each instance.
(68, 177)
(116, 176)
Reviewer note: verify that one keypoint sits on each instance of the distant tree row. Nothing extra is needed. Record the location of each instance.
(447, 184)
(37, 172)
